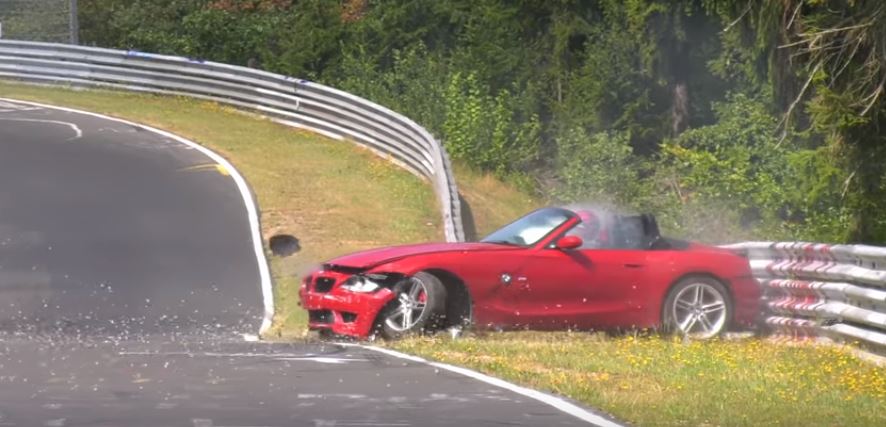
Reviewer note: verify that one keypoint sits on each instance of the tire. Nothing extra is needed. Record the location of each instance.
(424, 297)
(697, 307)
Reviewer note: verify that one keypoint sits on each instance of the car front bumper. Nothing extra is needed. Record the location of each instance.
(338, 310)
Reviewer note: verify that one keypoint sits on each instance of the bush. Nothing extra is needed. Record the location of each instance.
(739, 179)
(486, 131)
(600, 167)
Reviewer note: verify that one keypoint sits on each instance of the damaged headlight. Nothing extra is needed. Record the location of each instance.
(360, 284)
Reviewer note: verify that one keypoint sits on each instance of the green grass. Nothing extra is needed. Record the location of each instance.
(653, 381)
(333, 196)
(491, 202)
(337, 198)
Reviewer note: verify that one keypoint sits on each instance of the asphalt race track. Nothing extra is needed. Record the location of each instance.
(129, 279)
(108, 228)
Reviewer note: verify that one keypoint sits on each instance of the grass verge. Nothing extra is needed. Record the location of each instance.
(652, 381)
(489, 202)
(337, 198)
(333, 196)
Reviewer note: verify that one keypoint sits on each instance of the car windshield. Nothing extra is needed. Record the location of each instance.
(531, 228)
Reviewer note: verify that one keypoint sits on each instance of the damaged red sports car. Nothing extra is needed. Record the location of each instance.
(555, 268)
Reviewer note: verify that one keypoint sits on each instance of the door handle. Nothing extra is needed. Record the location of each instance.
(633, 265)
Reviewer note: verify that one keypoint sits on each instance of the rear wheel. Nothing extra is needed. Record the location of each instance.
(419, 306)
(697, 307)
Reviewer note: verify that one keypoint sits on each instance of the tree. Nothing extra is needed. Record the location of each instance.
(827, 63)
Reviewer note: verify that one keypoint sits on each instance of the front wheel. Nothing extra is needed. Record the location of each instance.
(420, 303)
(698, 308)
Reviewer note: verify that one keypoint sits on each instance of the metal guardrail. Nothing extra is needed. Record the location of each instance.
(810, 289)
(814, 289)
(287, 100)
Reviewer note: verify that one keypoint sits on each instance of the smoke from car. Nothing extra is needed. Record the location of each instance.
(604, 212)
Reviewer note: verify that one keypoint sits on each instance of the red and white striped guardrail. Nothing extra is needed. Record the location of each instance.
(815, 289)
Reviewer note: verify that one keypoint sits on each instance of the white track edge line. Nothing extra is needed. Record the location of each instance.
(248, 200)
(78, 133)
(550, 400)
(268, 298)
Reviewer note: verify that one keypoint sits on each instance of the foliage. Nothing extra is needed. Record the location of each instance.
(477, 127)
(818, 195)
(414, 84)
(599, 167)
(756, 118)
(827, 63)
(482, 128)
(737, 163)
(37, 20)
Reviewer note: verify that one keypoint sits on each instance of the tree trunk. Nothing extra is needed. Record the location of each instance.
(679, 108)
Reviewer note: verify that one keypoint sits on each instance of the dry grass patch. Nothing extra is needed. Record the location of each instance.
(336, 198)
(491, 202)
(652, 381)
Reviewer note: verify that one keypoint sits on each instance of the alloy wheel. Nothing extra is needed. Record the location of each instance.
(411, 304)
(699, 311)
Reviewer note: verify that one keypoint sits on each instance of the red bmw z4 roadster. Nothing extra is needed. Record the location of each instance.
(555, 268)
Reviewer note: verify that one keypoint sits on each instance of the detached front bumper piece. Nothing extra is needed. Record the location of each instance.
(338, 310)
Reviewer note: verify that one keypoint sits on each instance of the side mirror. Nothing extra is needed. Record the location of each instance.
(569, 242)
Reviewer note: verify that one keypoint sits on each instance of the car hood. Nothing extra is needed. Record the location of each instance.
(374, 257)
